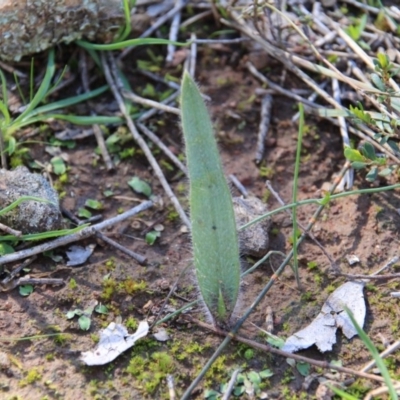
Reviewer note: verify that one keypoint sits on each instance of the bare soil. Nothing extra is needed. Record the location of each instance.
(367, 226)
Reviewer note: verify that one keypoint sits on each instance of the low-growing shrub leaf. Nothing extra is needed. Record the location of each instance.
(371, 176)
(368, 151)
(353, 154)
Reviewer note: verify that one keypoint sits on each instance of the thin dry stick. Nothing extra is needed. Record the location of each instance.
(231, 385)
(112, 80)
(360, 52)
(311, 236)
(313, 96)
(62, 85)
(375, 275)
(266, 106)
(193, 55)
(13, 70)
(313, 106)
(221, 41)
(173, 34)
(376, 393)
(17, 270)
(371, 9)
(96, 128)
(360, 75)
(391, 349)
(149, 103)
(171, 292)
(139, 258)
(74, 237)
(370, 277)
(151, 75)
(263, 292)
(171, 388)
(154, 111)
(9, 230)
(155, 139)
(239, 185)
(349, 177)
(195, 18)
(39, 281)
(270, 349)
(161, 21)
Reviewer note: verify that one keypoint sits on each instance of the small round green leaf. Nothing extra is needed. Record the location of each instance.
(94, 204)
(101, 309)
(152, 236)
(303, 368)
(266, 373)
(254, 377)
(358, 165)
(58, 165)
(84, 322)
(353, 154)
(385, 172)
(140, 186)
(25, 290)
(83, 213)
(6, 249)
(368, 151)
(371, 176)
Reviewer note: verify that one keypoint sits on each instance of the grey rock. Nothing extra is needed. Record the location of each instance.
(30, 26)
(29, 216)
(254, 240)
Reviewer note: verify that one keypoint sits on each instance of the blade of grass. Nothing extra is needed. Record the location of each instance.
(4, 100)
(20, 200)
(66, 102)
(126, 30)
(295, 191)
(43, 235)
(321, 201)
(375, 354)
(127, 43)
(43, 88)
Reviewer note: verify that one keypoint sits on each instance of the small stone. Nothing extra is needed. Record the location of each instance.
(352, 259)
(254, 240)
(29, 216)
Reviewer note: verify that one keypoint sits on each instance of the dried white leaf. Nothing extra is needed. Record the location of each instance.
(78, 255)
(161, 335)
(114, 340)
(322, 331)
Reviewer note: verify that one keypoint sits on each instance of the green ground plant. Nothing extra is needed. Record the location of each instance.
(215, 241)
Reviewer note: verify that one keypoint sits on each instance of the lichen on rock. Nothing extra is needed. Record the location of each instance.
(29, 216)
(31, 26)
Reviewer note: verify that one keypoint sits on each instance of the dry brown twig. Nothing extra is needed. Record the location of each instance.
(96, 128)
(270, 349)
(82, 234)
(111, 74)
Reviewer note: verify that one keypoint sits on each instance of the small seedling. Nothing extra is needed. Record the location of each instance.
(249, 383)
(84, 320)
